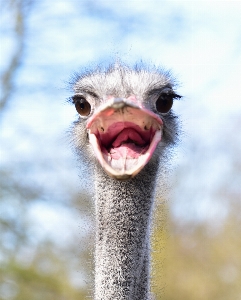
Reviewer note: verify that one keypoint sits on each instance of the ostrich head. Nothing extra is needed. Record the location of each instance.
(125, 115)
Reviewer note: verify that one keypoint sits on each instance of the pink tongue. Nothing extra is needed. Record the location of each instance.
(122, 147)
(129, 150)
(128, 134)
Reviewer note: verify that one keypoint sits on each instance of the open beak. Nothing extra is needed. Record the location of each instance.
(124, 136)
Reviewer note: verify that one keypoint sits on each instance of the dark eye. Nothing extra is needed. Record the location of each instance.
(165, 101)
(82, 106)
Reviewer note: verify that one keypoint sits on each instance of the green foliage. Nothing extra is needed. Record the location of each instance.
(198, 262)
(20, 283)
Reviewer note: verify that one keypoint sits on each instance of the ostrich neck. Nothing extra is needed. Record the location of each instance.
(123, 220)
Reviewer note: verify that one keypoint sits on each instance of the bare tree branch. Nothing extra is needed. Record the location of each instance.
(19, 9)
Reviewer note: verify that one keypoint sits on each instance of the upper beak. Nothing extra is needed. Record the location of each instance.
(118, 103)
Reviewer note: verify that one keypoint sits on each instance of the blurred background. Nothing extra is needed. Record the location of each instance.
(45, 196)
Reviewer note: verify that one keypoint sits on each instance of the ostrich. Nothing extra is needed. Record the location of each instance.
(124, 127)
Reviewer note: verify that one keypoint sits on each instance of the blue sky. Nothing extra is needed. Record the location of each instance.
(199, 40)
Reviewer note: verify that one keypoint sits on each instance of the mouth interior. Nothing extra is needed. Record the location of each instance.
(125, 140)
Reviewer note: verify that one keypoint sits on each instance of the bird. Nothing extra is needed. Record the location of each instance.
(124, 128)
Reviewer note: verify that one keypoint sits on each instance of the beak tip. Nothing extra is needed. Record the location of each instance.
(118, 103)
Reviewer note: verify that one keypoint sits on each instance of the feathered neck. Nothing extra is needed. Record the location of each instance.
(123, 220)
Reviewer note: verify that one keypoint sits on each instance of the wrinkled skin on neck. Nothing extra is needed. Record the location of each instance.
(123, 221)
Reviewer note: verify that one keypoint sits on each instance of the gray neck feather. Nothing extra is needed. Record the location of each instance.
(123, 221)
